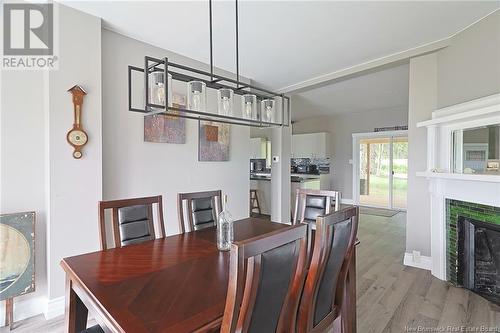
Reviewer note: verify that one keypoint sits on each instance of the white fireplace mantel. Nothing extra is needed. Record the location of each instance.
(443, 183)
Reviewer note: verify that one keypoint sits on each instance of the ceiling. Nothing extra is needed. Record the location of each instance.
(285, 42)
(384, 89)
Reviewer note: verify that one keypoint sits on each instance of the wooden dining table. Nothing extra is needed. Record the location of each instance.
(174, 284)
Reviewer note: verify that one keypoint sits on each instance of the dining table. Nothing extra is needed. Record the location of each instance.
(172, 284)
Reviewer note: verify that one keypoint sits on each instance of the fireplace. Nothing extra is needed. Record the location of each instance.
(479, 257)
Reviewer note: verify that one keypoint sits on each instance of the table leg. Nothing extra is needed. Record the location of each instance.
(349, 302)
(75, 312)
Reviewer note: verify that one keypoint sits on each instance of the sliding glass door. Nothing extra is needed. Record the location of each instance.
(374, 172)
(382, 170)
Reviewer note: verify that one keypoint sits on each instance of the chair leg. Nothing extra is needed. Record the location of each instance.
(254, 202)
(258, 204)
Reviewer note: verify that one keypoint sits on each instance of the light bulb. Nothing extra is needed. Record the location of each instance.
(196, 100)
(269, 113)
(248, 110)
(225, 106)
(160, 93)
(196, 96)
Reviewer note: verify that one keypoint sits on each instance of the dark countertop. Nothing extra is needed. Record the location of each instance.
(260, 178)
(293, 179)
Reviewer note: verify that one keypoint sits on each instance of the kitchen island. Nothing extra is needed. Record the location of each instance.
(261, 181)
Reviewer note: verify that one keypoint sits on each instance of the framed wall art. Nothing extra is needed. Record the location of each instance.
(17, 254)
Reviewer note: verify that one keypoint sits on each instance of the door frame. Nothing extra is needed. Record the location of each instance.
(356, 137)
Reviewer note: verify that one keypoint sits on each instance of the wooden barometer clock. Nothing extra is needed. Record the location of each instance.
(77, 137)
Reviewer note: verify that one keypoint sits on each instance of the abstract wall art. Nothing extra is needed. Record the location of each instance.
(213, 141)
(162, 128)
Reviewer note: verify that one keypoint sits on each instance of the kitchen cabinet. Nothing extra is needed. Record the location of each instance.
(258, 148)
(311, 145)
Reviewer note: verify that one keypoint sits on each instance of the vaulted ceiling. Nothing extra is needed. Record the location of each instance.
(285, 42)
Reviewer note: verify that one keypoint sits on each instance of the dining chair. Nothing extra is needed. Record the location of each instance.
(309, 204)
(324, 288)
(198, 210)
(132, 220)
(266, 276)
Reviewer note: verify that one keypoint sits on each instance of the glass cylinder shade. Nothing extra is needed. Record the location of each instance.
(225, 101)
(267, 110)
(249, 106)
(156, 85)
(197, 96)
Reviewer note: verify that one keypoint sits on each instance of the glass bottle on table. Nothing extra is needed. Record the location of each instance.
(225, 231)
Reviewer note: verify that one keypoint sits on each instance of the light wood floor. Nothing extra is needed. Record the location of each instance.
(391, 297)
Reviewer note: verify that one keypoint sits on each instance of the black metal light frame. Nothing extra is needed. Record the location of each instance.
(185, 74)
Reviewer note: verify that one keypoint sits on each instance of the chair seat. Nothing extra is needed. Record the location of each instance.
(93, 329)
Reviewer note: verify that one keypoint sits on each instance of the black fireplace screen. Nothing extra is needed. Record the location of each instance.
(479, 257)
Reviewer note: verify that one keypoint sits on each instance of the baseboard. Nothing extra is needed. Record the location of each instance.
(425, 262)
(346, 201)
(24, 308)
(54, 308)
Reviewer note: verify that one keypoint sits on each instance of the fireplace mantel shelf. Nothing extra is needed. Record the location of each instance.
(458, 176)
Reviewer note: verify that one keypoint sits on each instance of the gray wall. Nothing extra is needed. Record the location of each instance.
(132, 167)
(470, 67)
(422, 101)
(341, 127)
(467, 69)
(38, 170)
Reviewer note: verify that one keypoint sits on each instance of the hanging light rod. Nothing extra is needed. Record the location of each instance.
(159, 73)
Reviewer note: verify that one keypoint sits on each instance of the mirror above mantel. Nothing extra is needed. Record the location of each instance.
(477, 150)
(463, 141)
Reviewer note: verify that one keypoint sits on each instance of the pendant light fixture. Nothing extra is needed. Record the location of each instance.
(225, 101)
(274, 107)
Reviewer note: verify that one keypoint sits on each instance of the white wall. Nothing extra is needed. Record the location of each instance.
(132, 167)
(22, 179)
(75, 186)
(341, 127)
(422, 101)
(281, 144)
(38, 170)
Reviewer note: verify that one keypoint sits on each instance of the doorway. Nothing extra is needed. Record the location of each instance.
(380, 169)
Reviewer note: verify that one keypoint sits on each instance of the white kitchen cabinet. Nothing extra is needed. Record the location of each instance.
(312, 145)
(257, 148)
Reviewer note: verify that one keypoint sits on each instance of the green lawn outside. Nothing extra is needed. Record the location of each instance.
(379, 186)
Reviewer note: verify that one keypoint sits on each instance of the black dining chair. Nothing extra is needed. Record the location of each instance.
(132, 220)
(266, 276)
(132, 223)
(309, 204)
(198, 210)
(325, 284)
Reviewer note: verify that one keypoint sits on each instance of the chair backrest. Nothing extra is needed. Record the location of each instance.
(266, 276)
(132, 220)
(309, 204)
(322, 297)
(202, 210)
